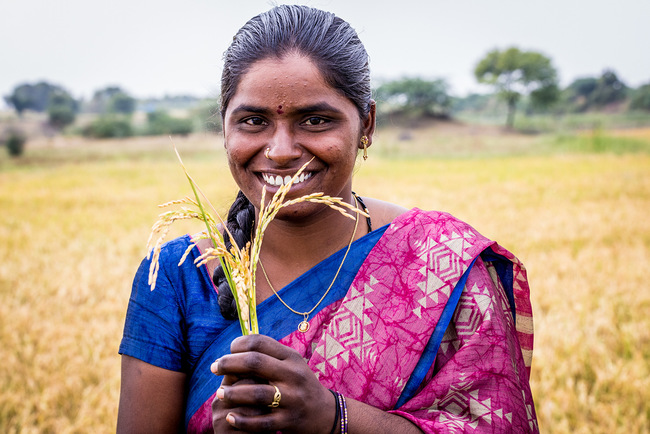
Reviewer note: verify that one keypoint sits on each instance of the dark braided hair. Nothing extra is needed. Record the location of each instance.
(331, 43)
(240, 224)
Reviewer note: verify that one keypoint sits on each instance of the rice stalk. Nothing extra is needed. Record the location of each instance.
(239, 262)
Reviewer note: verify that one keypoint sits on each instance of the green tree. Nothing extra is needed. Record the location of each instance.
(61, 110)
(32, 96)
(160, 122)
(577, 96)
(641, 98)
(609, 89)
(121, 102)
(416, 96)
(100, 100)
(111, 99)
(515, 73)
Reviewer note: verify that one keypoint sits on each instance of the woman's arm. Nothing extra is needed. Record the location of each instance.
(151, 398)
(364, 418)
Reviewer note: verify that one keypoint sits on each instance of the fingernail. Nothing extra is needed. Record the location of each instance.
(220, 393)
(215, 367)
(230, 419)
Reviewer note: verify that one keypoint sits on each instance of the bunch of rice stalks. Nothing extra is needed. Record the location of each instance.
(239, 262)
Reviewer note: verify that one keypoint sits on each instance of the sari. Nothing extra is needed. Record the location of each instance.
(427, 319)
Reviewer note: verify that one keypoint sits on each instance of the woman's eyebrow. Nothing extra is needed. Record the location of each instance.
(318, 107)
(250, 109)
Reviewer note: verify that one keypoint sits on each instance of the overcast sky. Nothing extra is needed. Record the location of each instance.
(152, 48)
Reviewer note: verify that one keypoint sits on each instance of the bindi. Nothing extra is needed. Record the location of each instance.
(280, 111)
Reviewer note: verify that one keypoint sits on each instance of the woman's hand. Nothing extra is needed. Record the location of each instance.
(256, 366)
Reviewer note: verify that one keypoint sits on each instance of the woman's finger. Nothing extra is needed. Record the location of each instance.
(222, 418)
(261, 344)
(251, 364)
(260, 395)
(270, 423)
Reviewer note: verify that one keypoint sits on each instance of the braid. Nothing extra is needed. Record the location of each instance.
(241, 218)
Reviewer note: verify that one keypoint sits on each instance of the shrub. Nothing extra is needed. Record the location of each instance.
(159, 122)
(108, 126)
(16, 143)
(641, 98)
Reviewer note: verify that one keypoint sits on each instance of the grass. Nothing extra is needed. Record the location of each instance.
(76, 216)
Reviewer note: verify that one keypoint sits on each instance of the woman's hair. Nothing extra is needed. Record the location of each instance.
(328, 41)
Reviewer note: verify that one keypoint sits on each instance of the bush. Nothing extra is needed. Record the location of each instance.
(159, 123)
(107, 127)
(61, 110)
(208, 117)
(641, 98)
(16, 143)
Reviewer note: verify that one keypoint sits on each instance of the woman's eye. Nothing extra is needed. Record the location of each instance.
(254, 121)
(315, 120)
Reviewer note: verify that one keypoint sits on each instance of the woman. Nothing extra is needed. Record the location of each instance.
(402, 322)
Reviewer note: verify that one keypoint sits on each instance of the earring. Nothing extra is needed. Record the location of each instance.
(266, 153)
(364, 142)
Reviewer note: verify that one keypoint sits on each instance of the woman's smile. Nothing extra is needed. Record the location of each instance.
(278, 181)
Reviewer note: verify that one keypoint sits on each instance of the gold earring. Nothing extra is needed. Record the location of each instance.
(266, 153)
(364, 142)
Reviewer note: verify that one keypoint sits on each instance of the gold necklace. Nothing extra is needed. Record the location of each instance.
(304, 325)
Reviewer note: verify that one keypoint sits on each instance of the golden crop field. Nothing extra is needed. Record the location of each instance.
(75, 217)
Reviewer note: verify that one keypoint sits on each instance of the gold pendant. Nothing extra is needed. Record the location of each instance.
(303, 326)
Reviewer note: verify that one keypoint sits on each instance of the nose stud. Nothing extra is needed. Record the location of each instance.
(266, 153)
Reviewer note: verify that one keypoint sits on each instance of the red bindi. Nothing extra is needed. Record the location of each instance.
(280, 111)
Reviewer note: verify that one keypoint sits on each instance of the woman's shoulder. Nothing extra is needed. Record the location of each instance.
(382, 212)
(175, 247)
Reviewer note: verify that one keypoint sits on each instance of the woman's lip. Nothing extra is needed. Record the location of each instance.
(279, 180)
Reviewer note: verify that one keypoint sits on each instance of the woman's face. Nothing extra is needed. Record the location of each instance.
(286, 106)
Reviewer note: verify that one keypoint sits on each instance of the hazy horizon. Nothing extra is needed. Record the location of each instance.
(152, 49)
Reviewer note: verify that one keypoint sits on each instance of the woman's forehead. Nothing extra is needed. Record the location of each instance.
(292, 80)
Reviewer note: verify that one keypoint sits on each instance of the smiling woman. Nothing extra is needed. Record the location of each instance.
(411, 322)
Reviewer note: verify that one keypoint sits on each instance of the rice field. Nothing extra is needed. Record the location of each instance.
(75, 217)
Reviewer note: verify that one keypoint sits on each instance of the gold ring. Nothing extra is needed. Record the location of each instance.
(276, 398)
(266, 153)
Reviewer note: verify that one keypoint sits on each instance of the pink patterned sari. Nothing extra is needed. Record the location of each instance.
(436, 326)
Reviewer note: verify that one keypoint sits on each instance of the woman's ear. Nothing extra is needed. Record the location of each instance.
(368, 128)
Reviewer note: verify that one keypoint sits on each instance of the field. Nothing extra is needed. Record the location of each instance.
(75, 217)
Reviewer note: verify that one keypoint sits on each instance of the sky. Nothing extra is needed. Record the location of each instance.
(173, 47)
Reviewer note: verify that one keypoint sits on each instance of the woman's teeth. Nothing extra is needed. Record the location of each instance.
(278, 181)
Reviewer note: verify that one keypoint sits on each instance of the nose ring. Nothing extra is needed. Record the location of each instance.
(266, 153)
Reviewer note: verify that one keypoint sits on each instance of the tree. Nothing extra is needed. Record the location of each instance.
(416, 96)
(111, 99)
(591, 93)
(32, 96)
(61, 110)
(121, 103)
(641, 98)
(515, 73)
(609, 89)
(160, 122)
(578, 95)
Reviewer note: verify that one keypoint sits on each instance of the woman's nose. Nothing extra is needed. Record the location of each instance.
(283, 148)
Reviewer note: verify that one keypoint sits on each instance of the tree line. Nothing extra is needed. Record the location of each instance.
(515, 76)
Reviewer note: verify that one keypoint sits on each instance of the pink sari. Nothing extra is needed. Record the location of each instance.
(377, 344)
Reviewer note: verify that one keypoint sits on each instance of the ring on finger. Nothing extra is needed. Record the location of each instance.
(276, 398)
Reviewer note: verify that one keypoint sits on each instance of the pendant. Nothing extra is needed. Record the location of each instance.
(303, 326)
